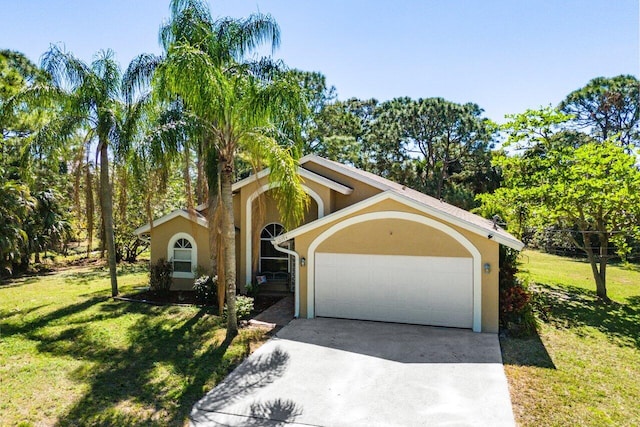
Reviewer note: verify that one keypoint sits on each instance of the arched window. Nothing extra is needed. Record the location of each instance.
(272, 260)
(182, 254)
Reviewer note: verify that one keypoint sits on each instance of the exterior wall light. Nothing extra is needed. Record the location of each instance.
(487, 267)
(303, 261)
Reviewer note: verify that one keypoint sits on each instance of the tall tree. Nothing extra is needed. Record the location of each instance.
(247, 108)
(33, 170)
(437, 143)
(571, 181)
(93, 102)
(606, 107)
(339, 132)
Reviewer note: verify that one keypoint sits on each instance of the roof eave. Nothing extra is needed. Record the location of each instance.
(390, 194)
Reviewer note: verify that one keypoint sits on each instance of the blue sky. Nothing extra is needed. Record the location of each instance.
(504, 55)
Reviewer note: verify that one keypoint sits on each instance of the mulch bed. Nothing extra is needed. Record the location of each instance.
(260, 302)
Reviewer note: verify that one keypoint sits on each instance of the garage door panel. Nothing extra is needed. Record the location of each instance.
(422, 290)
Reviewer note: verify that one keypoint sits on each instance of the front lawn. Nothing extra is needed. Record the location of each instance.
(584, 367)
(70, 355)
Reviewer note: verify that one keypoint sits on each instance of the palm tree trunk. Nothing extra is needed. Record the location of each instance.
(89, 205)
(229, 245)
(107, 216)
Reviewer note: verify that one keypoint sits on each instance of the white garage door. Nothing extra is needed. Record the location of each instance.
(406, 289)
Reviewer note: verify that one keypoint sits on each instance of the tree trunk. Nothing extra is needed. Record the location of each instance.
(215, 246)
(229, 244)
(107, 216)
(202, 190)
(601, 286)
(89, 207)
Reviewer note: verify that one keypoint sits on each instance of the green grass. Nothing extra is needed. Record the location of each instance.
(584, 366)
(69, 355)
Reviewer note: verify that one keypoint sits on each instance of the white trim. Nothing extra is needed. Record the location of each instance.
(296, 256)
(500, 236)
(168, 217)
(475, 254)
(194, 254)
(336, 186)
(392, 195)
(248, 212)
(304, 173)
(262, 239)
(345, 170)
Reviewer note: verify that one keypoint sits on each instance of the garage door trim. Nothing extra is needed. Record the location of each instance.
(475, 254)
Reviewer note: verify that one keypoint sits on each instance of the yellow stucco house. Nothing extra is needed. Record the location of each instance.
(368, 249)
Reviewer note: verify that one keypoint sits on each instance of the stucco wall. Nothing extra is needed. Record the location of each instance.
(379, 236)
(269, 214)
(361, 191)
(161, 234)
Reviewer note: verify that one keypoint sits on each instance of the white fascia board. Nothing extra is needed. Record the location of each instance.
(504, 240)
(344, 170)
(331, 217)
(168, 217)
(311, 176)
(251, 178)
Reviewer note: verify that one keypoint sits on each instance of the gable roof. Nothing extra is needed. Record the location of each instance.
(195, 217)
(304, 173)
(428, 204)
(500, 236)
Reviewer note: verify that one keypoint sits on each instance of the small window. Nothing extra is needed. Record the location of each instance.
(182, 253)
(182, 257)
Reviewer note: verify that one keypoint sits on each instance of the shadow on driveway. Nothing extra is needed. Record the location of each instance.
(336, 372)
(397, 342)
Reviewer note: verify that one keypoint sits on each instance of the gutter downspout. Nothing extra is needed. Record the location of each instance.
(296, 256)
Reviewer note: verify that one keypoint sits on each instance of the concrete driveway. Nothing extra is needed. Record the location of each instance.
(331, 372)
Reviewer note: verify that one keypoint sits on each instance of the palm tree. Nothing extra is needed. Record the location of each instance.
(92, 102)
(243, 108)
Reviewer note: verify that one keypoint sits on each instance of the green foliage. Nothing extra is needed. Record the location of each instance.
(15, 205)
(244, 307)
(113, 363)
(609, 107)
(206, 289)
(570, 181)
(245, 109)
(252, 289)
(160, 276)
(433, 145)
(516, 311)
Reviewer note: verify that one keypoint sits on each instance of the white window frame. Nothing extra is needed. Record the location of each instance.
(264, 239)
(194, 255)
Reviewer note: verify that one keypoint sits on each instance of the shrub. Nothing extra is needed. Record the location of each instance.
(206, 289)
(251, 289)
(244, 307)
(160, 276)
(516, 311)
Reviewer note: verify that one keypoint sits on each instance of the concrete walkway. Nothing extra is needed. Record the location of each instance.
(331, 372)
(278, 314)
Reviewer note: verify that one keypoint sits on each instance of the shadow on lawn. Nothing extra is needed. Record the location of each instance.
(529, 351)
(155, 381)
(574, 307)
